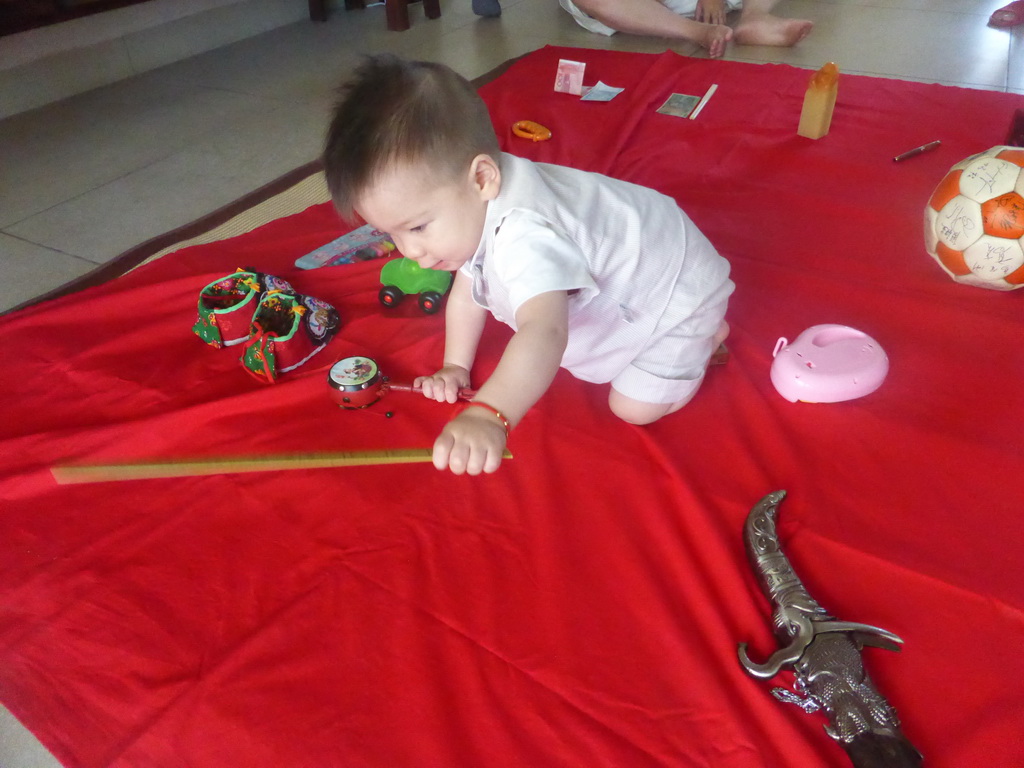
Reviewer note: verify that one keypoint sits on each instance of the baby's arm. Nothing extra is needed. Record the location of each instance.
(474, 440)
(464, 322)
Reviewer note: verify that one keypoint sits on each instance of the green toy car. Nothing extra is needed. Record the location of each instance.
(401, 276)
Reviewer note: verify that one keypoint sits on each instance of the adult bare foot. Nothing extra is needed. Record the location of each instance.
(713, 39)
(765, 29)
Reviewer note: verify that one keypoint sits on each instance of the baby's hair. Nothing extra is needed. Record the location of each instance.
(397, 111)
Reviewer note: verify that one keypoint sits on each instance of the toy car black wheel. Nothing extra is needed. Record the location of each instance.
(390, 296)
(430, 301)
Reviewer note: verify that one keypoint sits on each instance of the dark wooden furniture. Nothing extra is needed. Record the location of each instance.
(22, 15)
(397, 11)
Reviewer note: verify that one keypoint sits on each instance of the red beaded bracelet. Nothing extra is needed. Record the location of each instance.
(495, 411)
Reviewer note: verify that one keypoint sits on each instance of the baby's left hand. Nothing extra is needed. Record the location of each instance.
(472, 442)
(445, 385)
(710, 11)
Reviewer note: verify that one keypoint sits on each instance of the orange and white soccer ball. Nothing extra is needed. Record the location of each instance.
(974, 222)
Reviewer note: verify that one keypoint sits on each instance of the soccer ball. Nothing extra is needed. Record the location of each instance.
(974, 222)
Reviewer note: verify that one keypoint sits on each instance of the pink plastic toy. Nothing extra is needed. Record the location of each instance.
(828, 364)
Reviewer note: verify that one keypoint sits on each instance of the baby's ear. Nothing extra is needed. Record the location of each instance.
(486, 176)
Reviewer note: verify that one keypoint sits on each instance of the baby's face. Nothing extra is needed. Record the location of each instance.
(436, 222)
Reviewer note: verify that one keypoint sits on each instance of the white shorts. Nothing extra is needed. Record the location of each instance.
(672, 365)
(681, 7)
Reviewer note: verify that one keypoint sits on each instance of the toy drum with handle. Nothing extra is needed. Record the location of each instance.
(355, 382)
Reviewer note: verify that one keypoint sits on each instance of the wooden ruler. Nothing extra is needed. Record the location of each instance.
(96, 473)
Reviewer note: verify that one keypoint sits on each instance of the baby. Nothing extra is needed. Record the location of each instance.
(607, 279)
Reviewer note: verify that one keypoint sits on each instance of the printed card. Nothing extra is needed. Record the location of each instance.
(679, 105)
(601, 92)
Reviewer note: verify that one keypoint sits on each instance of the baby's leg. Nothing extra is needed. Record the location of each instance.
(638, 412)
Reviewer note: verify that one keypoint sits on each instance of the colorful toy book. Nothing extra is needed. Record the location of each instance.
(360, 244)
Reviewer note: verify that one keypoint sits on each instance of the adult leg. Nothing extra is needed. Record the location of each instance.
(487, 8)
(650, 17)
(757, 26)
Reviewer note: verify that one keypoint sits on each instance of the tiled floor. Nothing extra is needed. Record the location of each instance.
(85, 179)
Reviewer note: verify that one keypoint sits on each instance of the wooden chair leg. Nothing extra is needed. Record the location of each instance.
(432, 8)
(318, 10)
(398, 14)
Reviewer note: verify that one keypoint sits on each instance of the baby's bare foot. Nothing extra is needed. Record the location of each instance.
(714, 38)
(765, 29)
(721, 334)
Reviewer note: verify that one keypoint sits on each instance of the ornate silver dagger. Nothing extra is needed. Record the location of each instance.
(824, 654)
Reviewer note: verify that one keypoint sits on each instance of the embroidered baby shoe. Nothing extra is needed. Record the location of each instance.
(227, 306)
(287, 329)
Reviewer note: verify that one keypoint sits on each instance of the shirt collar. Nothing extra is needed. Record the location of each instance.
(491, 223)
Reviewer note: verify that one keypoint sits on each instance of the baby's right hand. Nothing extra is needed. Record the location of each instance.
(444, 385)
(472, 442)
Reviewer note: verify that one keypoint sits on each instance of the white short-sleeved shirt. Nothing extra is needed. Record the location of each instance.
(619, 249)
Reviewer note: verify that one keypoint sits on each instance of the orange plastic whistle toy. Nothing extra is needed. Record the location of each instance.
(528, 129)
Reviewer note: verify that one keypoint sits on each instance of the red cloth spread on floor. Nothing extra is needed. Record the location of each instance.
(582, 606)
